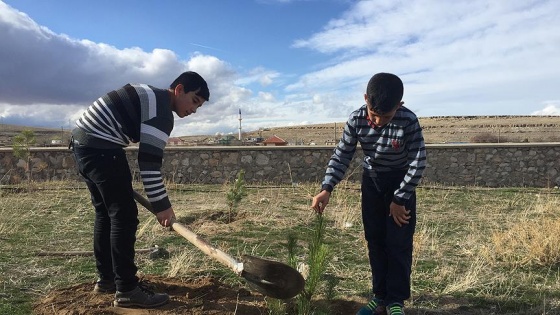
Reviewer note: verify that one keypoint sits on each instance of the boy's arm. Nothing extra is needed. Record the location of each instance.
(417, 163)
(342, 156)
(153, 139)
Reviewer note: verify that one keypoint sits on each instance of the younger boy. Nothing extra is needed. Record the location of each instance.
(394, 160)
(134, 113)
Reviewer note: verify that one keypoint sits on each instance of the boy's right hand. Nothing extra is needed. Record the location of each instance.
(320, 201)
(166, 217)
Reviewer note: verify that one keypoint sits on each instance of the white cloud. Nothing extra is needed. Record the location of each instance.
(463, 57)
(455, 57)
(317, 99)
(552, 108)
(264, 77)
(48, 79)
(39, 66)
(267, 97)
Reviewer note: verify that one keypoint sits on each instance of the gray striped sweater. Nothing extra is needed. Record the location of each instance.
(399, 145)
(136, 113)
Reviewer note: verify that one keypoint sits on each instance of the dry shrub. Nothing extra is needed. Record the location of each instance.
(473, 277)
(486, 138)
(182, 264)
(533, 240)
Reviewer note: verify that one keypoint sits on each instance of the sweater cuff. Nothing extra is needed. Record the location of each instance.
(327, 187)
(161, 205)
(399, 201)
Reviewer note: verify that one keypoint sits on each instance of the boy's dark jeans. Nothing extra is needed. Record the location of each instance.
(389, 246)
(108, 178)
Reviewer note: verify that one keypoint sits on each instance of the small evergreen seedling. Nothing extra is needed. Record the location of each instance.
(21, 145)
(317, 262)
(315, 268)
(236, 192)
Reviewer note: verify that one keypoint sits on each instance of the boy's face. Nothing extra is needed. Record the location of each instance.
(380, 120)
(186, 104)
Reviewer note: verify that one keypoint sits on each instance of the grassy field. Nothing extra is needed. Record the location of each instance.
(477, 251)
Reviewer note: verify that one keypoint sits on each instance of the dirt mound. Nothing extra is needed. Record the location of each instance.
(198, 296)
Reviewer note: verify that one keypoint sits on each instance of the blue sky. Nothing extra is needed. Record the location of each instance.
(283, 62)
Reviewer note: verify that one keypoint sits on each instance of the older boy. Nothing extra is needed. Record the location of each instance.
(134, 113)
(394, 160)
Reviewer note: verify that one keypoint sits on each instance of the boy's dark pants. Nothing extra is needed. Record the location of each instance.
(389, 246)
(108, 178)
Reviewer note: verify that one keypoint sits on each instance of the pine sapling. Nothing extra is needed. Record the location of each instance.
(317, 262)
(235, 194)
(21, 147)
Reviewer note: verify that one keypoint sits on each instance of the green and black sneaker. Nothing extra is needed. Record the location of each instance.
(374, 307)
(395, 309)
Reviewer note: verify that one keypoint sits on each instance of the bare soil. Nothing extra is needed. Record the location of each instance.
(194, 296)
(201, 296)
(210, 296)
(188, 296)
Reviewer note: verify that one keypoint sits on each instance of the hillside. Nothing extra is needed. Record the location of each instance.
(444, 129)
(43, 136)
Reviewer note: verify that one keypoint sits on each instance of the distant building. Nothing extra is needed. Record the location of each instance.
(174, 141)
(254, 140)
(275, 141)
(228, 140)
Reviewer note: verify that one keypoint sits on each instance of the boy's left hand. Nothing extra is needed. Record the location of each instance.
(399, 213)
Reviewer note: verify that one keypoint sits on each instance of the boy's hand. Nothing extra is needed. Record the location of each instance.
(320, 201)
(399, 213)
(166, 217)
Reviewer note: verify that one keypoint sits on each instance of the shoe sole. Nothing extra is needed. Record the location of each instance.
(138, 305)
(104, 291)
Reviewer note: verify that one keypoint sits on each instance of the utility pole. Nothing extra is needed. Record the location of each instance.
(240, 124)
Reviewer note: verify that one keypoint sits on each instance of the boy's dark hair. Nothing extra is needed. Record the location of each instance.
(384, 92)
(192, 81)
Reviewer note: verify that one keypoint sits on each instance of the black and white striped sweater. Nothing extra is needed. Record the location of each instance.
(135, 113)
(399, 145)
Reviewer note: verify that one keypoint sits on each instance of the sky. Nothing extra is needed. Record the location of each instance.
(281, 62)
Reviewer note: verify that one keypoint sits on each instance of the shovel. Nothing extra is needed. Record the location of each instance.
(269, 277)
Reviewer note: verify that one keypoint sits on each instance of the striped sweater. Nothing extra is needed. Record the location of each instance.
(399, 145)
(133, 113)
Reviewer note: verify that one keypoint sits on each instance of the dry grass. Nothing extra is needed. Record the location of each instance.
(476, 250)
(531, 240)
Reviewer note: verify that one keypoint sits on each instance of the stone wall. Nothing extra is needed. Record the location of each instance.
(490, 165)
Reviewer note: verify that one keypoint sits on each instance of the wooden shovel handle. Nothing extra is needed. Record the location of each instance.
(196, 240)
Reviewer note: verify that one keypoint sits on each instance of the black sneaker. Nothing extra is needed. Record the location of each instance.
(141, 297)
(104, 286)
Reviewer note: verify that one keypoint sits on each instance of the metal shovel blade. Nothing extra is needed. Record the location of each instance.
(272, 278)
